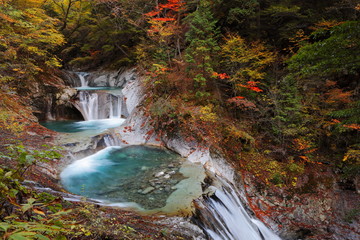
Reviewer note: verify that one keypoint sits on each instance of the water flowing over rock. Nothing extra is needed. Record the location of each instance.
(99, 105)
(223, 217)
(136, 131)
(95, 101)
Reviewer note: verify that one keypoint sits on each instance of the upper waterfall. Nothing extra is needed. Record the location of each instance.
(82, 77)
(95, 105)
(100, 98)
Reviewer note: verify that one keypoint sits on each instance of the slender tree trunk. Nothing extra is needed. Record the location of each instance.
(66, 15)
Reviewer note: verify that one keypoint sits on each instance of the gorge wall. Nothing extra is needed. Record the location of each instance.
(321, 211)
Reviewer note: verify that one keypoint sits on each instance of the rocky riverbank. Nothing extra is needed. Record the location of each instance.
(319, 211)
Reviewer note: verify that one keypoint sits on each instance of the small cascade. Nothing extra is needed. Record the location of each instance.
(115, 106)
(82, 77)
(49, 115)
(111, 141)
(223, 217)
(99, 105)
(89, 105)
(98, 102)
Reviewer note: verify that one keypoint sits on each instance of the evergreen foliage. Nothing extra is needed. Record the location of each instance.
(212, 74)
(203, 49)
(333, 52)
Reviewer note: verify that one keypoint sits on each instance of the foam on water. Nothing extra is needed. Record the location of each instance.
(121, 175)
(224, 218)
(90, 164)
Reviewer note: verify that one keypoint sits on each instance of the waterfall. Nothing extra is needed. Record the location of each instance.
(115, 106)
(223, 217)
(99, 105)
(98, 102)
(49, 115)
(89, 104)
(111, 141)
(83, 81)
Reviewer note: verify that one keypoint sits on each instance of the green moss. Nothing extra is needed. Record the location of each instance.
(351, 215)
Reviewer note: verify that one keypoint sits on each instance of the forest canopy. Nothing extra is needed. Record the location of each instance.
(279, 77)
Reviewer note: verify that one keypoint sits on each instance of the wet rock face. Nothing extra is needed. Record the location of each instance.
(62, 107)
(65, 96)
(112, 79)
(316, 209)
(43, 95)
(52, 101)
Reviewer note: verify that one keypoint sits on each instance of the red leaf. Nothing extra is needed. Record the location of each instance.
(164, 19)
(256, 89)
(152, 13)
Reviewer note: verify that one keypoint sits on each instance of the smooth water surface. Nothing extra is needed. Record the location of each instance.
(141, 174)
(79, 126)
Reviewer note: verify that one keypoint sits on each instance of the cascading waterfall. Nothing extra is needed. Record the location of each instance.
(115, 106)
(83, 81)
(223, 217)
(98, 102)
(111, 141)
(89, 104)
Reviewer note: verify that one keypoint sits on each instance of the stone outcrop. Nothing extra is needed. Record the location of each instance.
(324, 211)
(318, 215)
(317, 209)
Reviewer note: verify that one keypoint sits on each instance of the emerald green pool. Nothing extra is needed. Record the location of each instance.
(79, 126)
(138, 174)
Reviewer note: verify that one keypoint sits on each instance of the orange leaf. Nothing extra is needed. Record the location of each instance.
(353, 126)
(164, 19)
(38, 211)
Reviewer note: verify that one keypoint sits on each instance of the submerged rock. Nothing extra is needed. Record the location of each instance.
(159, 174)
(148, 190)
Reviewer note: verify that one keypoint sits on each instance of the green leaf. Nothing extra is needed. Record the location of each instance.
(62, 212)
(61, 238)
(26, 207)
(4, 226)
(41, 237)
(21, 235)
(8, 174)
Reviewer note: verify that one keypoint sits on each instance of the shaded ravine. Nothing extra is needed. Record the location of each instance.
(223, 214)
(163, 188)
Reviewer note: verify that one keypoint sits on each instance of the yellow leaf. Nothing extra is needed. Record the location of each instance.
(38, 211)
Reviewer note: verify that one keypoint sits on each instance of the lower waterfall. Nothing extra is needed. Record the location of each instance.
(223, 217)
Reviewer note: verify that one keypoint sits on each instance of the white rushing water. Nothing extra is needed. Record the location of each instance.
(115, 106)
(89, 104)
(224, 218)
(99, 105)
(111, 140)
(98, 102)
(83, 81)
